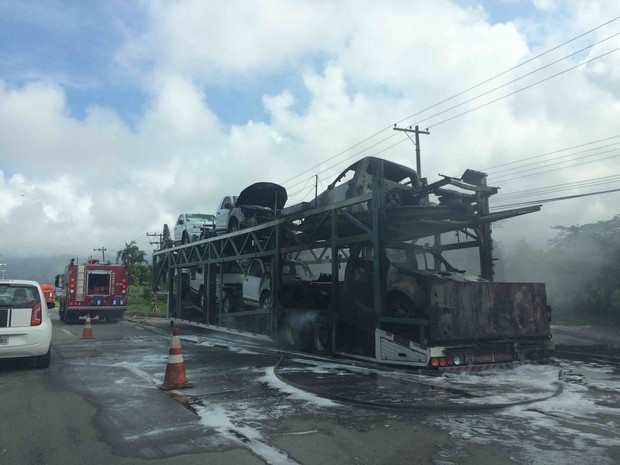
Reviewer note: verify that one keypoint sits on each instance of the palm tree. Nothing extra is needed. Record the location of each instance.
(133, 257)
(131, 254)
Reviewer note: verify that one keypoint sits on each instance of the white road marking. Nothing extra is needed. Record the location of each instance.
(144, 375)
(68, 332)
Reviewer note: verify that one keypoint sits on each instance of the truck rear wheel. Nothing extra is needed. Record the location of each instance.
(293, 337)
(322, 338)
(400, 306)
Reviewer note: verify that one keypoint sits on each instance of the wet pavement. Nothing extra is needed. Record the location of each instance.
(326, 410)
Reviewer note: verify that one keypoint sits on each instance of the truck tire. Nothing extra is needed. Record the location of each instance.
(293, 337)
(322, 338)
(233, 226)
(401, 306)
(184, 238)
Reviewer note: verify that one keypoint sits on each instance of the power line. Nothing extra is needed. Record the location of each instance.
(555, 199)
(523, 88)
(557, 188)
(448, 99)
(517, 79)
(556, 169)
(491, 168)
(509, 70)
(548, 164)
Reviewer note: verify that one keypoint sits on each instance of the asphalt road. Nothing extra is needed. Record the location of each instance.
(99, 403)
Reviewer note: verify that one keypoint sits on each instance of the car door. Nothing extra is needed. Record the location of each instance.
(179, 227)
(222, 214)
(251, 282)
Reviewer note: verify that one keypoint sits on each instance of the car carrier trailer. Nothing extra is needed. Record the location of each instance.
(382, 289)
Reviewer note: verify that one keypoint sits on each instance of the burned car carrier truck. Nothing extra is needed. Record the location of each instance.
(378, 243)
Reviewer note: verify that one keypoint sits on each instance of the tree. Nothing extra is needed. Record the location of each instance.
(134, 258)
(166, 238)
(131, 255)
(586, 262)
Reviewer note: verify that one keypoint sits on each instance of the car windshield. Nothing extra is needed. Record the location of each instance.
(297, 269)
(201, 218)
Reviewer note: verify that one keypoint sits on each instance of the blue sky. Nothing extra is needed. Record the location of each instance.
(180, 102)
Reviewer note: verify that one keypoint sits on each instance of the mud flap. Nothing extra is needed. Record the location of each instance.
(394, 350)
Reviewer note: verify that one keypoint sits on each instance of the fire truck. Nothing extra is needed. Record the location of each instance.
(95, 288)
(50, 294)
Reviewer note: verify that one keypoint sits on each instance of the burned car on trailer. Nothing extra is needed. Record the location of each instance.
(400, 184)
(256, 204)
(402, 188)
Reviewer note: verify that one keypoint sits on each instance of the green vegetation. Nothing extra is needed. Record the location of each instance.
(135, 259)
(582, 272)
(140, 302)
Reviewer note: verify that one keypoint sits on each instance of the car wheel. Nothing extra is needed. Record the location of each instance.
(394, 198)
(400, 306)
(43, 361)
(233, 226)
(266, 302)
(322, 338)
(184, 238)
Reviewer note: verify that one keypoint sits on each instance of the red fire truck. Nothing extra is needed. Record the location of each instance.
(50, 294)
(95, 288)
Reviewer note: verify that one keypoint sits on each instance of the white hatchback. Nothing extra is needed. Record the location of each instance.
(25, 325)
(191, 227)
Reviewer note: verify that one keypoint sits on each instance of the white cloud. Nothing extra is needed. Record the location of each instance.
(362, 67)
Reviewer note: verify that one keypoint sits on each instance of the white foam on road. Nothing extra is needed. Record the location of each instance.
(216, 417)
(576, 426)
(274, 382)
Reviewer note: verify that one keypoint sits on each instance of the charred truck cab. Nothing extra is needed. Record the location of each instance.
(364, 271)
(95, 288)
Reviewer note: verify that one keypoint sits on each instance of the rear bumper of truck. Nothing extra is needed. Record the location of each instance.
(111, 312)
(489, 354)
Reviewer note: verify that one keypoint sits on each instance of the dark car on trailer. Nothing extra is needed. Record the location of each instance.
(259, 203)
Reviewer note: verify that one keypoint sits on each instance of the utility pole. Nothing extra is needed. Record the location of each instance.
(417, 132)
(159, 242)
(102, 250)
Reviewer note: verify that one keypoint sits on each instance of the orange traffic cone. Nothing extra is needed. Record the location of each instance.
(175, 370)
(88, 330)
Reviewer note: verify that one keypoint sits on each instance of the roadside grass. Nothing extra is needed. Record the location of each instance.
(139, 303)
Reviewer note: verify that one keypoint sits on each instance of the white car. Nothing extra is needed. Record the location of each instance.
(190, 227)
(25, 325)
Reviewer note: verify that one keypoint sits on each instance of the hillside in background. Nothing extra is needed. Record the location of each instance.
(41, 269)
